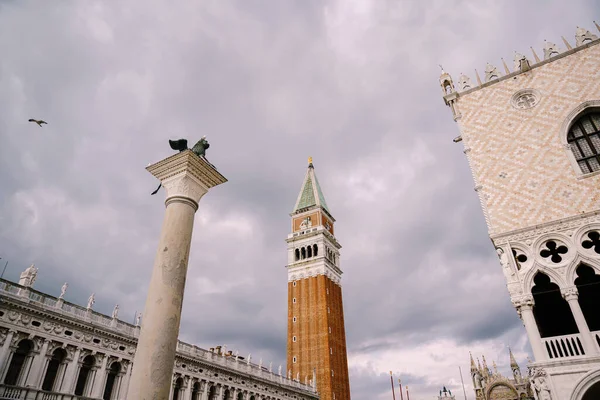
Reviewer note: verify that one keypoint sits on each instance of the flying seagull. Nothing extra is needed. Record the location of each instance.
(38, 121)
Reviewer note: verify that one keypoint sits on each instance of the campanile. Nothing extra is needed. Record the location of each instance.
(316, 341)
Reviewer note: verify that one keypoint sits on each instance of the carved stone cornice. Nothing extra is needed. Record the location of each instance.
(549, 227)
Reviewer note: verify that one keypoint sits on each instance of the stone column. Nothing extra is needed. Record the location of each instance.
(125, 383)
(206, 390)
(187, 395)
(37, 369)
(186, 178)
(100, 379)
(571, 295)
(71, 373)
(524, 307)
(5, 352)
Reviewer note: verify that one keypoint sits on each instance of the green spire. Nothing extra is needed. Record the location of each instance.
(311, 194)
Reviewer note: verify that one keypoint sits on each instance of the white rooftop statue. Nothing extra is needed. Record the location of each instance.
(115, 313)
(28, 276)
(63, 290)
(91, 301)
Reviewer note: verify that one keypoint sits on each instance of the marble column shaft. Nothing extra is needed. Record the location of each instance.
(571, 295)
(5, 353)
(70, 374)
(535, 340)
(99, 382)
(186, 178)
(39, 361)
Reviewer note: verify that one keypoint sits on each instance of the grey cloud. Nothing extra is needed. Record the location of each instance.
(353, 84)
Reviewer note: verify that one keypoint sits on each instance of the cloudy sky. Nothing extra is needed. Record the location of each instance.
(352, 83)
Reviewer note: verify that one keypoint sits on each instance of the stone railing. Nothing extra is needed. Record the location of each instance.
(230, 362)
(53, 304)
(564, 346)
(21, 393)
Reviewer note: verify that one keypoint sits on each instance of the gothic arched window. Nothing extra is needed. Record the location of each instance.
(584, 139)
(18, 360)
(58, 358)
(315, 250)
(309, 251)
(297, 254)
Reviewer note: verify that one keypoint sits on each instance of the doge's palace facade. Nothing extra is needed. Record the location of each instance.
(51, 349)
(531, 137)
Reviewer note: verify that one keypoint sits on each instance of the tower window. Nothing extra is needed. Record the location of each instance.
(293, 338)
(297, 254)
(294, 284)
(294, 360)
(327, 290)
(303, 253)
(329, 329)
(584, 139)
(294, 319)
(331, 372)
(309, 251)
(328, 310)
(330, 350)
(315, 250)
(294, 300)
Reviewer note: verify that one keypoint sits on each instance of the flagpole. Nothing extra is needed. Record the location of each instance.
(407, 395)
(463, 382)
(400, 384)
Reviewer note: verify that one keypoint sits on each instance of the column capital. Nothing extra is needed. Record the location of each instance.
(185, 175)
(523, 302)
(570, 293)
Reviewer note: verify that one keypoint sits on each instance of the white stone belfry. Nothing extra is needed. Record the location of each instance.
(186, 178)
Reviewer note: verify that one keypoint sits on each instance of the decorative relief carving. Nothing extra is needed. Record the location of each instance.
(525, 99)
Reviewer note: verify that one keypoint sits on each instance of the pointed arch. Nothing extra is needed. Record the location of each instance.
(570, 272)
(552, 312)
(531, 273)
(588, 286)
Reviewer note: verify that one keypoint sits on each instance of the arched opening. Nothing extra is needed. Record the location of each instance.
(15, 369)
(111, 379)
(309, 251)
(177, 388)
(252, 397)
(303, 253)
(84, 372)
(588, 285)
(58, 358)
(297, 254)
(315, 250)
(196, 391)
(584, 139)
(593, 393)
(552, 312)
(502, 392)
(227, 395)
(240, 396)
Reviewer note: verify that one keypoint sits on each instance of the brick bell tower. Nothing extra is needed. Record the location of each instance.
(316, 342)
